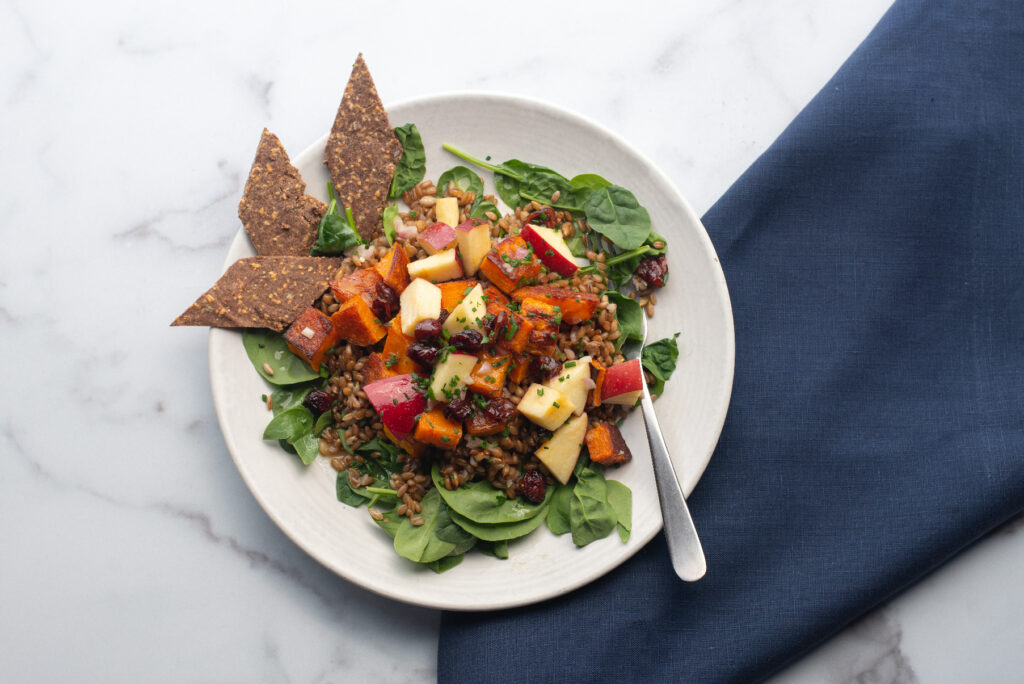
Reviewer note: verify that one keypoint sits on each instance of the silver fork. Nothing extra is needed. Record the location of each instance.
(683, 543)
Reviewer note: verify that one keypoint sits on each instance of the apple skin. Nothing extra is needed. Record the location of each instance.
(400, 417)
(623, 383)
(437, 237)
(474, 238)
(550, 248)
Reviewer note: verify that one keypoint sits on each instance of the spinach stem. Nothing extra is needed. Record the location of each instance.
(618, 258)
(382, 491)
(480, 162)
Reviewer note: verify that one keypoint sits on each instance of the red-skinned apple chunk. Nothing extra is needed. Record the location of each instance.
(551, 248)
(397, 401)
(437, 237)
(623, 383)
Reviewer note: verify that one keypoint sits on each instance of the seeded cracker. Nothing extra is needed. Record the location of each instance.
(262, 292)
(278, 215)
(362, 151)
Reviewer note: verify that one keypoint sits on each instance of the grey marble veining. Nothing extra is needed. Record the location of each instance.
(131, 549)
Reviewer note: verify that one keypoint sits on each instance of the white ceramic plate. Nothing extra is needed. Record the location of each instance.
(695, 303)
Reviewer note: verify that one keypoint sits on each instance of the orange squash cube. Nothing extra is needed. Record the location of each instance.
(416, 449)
(606, 445)
(374, 369)
(396, 349)
(519, 368)
(454, 292)
(575, 307)
(436, 429)
(311, 336)
(544, 317)
(355, 323)
(599, 370)
(362, 283)
(488, 376)
(394, 268)
(510, 264)
(517, 335)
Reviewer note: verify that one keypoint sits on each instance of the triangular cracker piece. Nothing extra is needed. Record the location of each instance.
(280, 218)
(262, 292)
(362, 151)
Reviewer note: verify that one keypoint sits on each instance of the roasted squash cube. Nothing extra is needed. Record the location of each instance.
(574, 307)
(436, 429)
(510, 264)
(517, 335)
(362, 283)
(396, 349)
(374, 369)
(311, 336)
(519, 368)
(488, 375)
(355, 323)
(545, 319)
(454, 292)
(393, 268)
(606, 445)
(480, 424)
(598, 369)
(409, 446)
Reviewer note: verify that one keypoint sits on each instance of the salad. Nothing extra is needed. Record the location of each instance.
(461, 366)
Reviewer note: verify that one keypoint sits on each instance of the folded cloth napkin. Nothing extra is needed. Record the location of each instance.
(875, 259)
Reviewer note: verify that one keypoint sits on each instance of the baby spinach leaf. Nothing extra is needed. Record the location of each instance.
(268, 347)
(660, 359)
(508, 190)
(558, 510)
(590, 516)
(480, 502)
(480, 209)
(576, 245)
(381, 466)
(620, 498)
(290, 424)
(325, 420)
(289, 397)
(413, 164)
(541, 185)
(335, 233)
(345, 493)
(448, 531)
(390, 522)
(613, 211)
(388, 220)
(465, 180)
(420, 543)
(629, 316)
(446, 563)
(591, 181)
(498, 549)
(498, 531)
(307, 446)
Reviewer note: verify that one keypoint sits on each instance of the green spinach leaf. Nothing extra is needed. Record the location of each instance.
(386, 463)
(446, 563)
(541, 185)
(576, 244)
(498, 531)
(420, 543)
(412, 167)
(345, 493)
(590, 516)
(591, 181)
(336, 232)
(480, 209)
(660, 359)
(307, 446)
(390, 522)
(629, 316)
(290, 424)
(289, 397)
(325, 421)
(620, 498)
(498, 549)
(388, 220)
(613, 211)
(480, 502)
(558, 510)
(268, 347)
(465, 180)
(448, 531)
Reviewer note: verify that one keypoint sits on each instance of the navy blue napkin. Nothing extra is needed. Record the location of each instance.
(875, 258)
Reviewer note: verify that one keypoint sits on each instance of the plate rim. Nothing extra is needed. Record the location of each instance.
(720, 411)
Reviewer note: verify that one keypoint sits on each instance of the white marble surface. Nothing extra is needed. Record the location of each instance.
(131, 549)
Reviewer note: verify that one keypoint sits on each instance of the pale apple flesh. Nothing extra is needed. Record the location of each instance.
(437, 268)
(447, 210)
(397, 401)
(623, 383)
(545, 406)
(419, 301)
(469, 313)
(562, 450)
(550, 248)
(451, 376)
(436, 238)
(573, 380)
(474, 238)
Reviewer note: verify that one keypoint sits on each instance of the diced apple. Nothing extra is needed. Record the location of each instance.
(551, 248)
(469, 314)
(397, 401)
(574, 382)
(562, 450)
(623, 383)
(418, 302)
(545, 406)
(451, 376)
(437, 237)
(474, 238)
(447, 210)
(444, 265)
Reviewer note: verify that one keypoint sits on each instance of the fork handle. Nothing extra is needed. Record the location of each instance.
(684, 546)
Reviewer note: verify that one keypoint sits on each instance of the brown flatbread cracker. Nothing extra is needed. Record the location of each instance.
(362, 151)
(280, 218)
(262, 292)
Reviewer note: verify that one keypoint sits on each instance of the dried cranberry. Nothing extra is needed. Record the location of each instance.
(500, 409)
(385, 304)
(427, 330)
(544, 367)
(654, 270)
(532, 486)
(318, 402)
(423, 354)
(467, 341)
(495, 324)
(459, 409)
